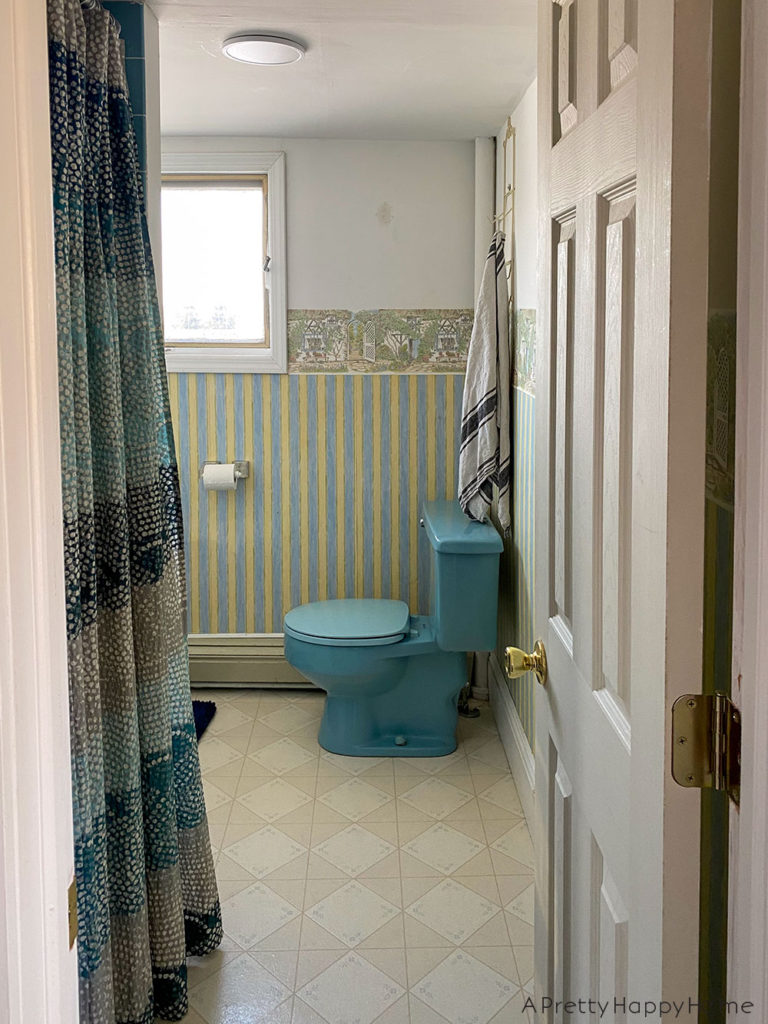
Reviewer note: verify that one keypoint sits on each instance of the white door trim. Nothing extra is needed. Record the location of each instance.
(38, 972)
(748, 913)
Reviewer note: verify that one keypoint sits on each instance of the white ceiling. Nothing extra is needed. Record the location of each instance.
(375, 69)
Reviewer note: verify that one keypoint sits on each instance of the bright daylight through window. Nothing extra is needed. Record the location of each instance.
(214, 257)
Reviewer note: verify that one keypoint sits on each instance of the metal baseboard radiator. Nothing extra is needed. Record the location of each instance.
(241, 659)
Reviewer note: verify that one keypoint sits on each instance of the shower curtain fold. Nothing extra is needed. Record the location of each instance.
(147, 893)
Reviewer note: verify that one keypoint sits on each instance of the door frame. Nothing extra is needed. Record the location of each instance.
(748, 915)
(38, 971)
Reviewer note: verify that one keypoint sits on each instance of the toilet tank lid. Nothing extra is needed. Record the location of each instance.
(350, 619)
(452, 532)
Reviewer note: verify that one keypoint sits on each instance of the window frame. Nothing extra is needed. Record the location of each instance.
(271, 357)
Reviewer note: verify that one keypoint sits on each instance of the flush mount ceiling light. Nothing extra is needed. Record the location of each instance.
(255, 48)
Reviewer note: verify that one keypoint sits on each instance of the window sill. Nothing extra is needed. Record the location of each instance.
(224, 360)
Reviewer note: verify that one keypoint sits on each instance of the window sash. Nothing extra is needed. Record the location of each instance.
(234, 181)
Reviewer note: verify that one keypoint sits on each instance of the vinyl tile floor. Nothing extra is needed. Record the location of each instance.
(360, 890)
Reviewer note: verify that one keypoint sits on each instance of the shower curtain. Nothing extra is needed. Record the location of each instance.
(147, 893)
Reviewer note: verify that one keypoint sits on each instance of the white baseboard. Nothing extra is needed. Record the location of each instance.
(241, 659)
(513, 738)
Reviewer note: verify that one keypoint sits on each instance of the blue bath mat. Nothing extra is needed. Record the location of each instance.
(203, 710)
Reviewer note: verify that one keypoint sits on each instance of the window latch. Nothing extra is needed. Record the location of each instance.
(267, 261)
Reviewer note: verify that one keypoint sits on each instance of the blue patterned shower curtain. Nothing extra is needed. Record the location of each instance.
(147, 893)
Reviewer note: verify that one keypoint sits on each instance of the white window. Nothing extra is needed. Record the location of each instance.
(224, 282)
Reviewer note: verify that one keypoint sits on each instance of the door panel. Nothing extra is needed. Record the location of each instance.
(562, 527)
(613, 459)
(621, 38)
(619, 504)
(564, 38)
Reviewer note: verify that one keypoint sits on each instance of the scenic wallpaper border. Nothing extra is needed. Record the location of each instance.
(378, 340)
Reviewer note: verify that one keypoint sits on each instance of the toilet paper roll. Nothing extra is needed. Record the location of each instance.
(219, 476)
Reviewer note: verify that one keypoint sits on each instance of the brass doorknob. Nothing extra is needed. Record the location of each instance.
(517, 662)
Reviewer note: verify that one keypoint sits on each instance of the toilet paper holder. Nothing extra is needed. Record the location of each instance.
(242, 469)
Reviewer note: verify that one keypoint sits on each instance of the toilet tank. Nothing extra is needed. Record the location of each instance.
(464, 582)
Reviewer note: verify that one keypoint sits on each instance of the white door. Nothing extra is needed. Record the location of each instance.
(748, 867)
(620, 435)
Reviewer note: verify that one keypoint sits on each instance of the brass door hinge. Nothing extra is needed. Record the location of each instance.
(72, 913)
(706, 743)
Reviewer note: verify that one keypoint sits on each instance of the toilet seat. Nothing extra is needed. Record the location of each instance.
(355, 622)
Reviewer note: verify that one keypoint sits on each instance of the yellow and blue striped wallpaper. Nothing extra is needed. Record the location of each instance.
(516, 610)
(340, 464)
(516, 588)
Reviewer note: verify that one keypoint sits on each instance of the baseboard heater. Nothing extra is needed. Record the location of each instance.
(241, 659)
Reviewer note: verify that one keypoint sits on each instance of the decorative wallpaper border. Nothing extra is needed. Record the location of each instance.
(378, 340)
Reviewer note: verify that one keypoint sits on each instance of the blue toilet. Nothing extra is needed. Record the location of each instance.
(392, 678)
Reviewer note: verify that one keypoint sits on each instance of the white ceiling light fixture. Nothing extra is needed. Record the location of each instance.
(257, 48)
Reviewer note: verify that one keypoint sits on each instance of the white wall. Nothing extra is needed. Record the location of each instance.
(523, 119)
(485, 187)
(372, 224)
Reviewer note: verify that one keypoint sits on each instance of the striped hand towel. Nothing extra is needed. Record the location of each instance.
(484, 457)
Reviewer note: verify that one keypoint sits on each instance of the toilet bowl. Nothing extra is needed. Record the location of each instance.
(393, 679)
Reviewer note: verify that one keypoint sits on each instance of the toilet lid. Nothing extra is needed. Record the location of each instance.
(353, 622)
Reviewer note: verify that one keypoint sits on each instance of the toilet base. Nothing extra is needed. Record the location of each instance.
(417, 717)
(388, 745)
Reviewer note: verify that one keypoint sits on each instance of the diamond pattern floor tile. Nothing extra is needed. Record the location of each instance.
(275, 799)
(282, 756)
(522, 906)
(355, 799)
(452, 910)
(436, 797)
(352, 913)
(464, 990)
(265, 851)
(288, 719)
(215, 753)
(351, 991)
(242, 991)
(354, 765)
(354, 850)
(254, 913)
(228, 717)
(516, 844)
(503, 794)
(319, 853)
(443, 848)
(453, 763)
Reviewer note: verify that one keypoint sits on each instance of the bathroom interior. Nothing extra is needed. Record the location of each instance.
(295, 245)
(384, 880)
